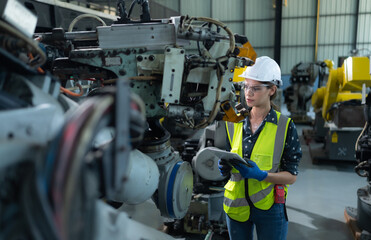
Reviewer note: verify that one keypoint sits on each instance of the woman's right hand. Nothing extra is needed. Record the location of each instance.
(224, 168)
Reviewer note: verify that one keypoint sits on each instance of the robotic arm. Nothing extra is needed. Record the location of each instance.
(345, 83)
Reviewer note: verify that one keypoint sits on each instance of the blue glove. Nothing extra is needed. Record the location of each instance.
(251, 172)
(224, 168)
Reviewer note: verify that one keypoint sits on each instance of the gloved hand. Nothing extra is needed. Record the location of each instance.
(251, 172)
(224, 168)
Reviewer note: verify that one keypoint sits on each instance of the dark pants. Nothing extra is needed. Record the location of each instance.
(270, 224)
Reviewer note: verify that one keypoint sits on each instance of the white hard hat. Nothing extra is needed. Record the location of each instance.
(265, 69)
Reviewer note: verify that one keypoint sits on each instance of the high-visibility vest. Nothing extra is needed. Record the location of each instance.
(266, 154)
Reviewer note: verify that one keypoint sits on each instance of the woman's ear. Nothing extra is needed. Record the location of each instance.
(273, 90)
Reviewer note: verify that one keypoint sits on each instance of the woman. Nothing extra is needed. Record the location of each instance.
(256, 192)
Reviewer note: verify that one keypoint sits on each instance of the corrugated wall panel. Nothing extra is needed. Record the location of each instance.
(260, 33)
(264, 52)
(236, 27)
(291, 56)
(364, 6)
(337, 7)
(301, 8)
(364, 49)
(195, 8)
(336, 29)
(364, 30)
(174, 5)
(333, 52)
(259, 26)
(228, 10)
(259, 9)
(298, 31)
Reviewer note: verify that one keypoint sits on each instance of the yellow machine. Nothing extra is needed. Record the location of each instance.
(344, 84)
(338, 105)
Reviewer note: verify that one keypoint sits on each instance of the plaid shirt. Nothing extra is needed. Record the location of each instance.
(292, 151)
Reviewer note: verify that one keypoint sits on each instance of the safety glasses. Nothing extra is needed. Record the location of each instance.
(255, 88)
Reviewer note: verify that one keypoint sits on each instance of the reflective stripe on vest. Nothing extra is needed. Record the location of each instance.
(235, 177)
(279, 141)
(239, 202)
(237, 208)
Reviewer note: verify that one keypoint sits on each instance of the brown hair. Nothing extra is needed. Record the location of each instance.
(273, 104)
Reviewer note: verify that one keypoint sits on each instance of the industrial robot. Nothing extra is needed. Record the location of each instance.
(340, 110)
(359, 218)
(298, 95)
(84, 115)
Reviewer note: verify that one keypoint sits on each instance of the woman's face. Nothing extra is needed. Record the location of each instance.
(257, 94)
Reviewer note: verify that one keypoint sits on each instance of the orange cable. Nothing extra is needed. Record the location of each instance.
(39, 69)
(66, 91)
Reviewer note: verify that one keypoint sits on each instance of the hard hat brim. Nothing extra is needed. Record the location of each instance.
(277, 82)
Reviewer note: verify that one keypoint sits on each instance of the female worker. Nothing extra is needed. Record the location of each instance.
(255, 193)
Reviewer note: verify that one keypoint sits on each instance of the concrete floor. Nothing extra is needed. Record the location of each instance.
(317, 200)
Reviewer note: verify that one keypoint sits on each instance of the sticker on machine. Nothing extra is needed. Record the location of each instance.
(112, 61)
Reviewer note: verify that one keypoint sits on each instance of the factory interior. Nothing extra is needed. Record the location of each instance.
(116, 116)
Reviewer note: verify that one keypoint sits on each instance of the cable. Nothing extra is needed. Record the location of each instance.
(39, 69)
(131, 8)
(86, 15)
(66, 91)
(220, 71)
(83, 142)
(217, 23)
(32, 44)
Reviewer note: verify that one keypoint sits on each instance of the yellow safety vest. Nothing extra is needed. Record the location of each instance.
(267, 153)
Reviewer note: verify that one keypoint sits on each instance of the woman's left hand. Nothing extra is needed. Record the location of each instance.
(251, 172)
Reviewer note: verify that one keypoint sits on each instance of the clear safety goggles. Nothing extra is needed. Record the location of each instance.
(255, 88)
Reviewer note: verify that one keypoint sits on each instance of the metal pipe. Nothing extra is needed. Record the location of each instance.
(81, 36)
(317, 26)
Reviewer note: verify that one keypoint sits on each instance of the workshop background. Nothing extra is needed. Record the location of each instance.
(309, 39)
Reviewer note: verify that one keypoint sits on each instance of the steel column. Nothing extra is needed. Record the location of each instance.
(356, 26)
(278, 32)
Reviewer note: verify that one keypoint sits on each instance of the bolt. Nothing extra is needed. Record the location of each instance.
(139, 58)
(151, 58)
